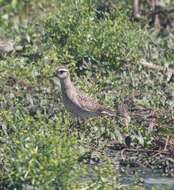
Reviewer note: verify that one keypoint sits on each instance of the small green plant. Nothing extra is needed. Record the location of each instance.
(40, 152)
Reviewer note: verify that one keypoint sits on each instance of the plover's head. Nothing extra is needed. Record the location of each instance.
(62, 73)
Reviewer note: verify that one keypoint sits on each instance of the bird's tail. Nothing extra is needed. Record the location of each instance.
(109, 112)
(122, 112)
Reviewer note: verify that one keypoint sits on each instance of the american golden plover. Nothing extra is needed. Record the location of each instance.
(76, 102)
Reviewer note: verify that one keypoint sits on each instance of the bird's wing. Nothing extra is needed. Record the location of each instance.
(91, 105)
(87, 103)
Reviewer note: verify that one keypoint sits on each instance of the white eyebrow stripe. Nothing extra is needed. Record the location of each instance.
(62, 69)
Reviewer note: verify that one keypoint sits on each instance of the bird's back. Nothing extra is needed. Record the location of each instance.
(82, 105)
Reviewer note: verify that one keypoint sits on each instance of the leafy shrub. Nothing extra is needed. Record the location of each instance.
(80, 38)
(40, 152)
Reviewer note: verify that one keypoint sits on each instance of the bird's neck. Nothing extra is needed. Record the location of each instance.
(66, 84)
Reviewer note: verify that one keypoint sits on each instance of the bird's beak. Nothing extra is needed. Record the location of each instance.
(55, 74)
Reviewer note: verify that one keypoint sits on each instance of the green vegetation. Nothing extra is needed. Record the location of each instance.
(41, 147)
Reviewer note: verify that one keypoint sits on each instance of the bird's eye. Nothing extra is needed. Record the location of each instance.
(61, 72)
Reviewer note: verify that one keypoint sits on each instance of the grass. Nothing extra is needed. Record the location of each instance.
(41, 148)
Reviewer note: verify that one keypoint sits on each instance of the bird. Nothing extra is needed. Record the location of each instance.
(79, 104)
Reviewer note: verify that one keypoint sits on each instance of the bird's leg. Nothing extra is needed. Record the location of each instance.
(72, 126)
(80, 122)
(75, 125)
(71, 123)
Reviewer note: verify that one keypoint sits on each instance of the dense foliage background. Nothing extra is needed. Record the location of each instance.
(41, 147)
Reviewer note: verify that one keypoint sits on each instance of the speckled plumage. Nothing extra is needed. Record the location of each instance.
(79, 104)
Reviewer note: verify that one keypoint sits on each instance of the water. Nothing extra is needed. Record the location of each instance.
(141, 176)
(159, 183)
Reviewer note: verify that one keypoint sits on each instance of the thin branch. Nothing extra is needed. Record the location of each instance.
(151, 65)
